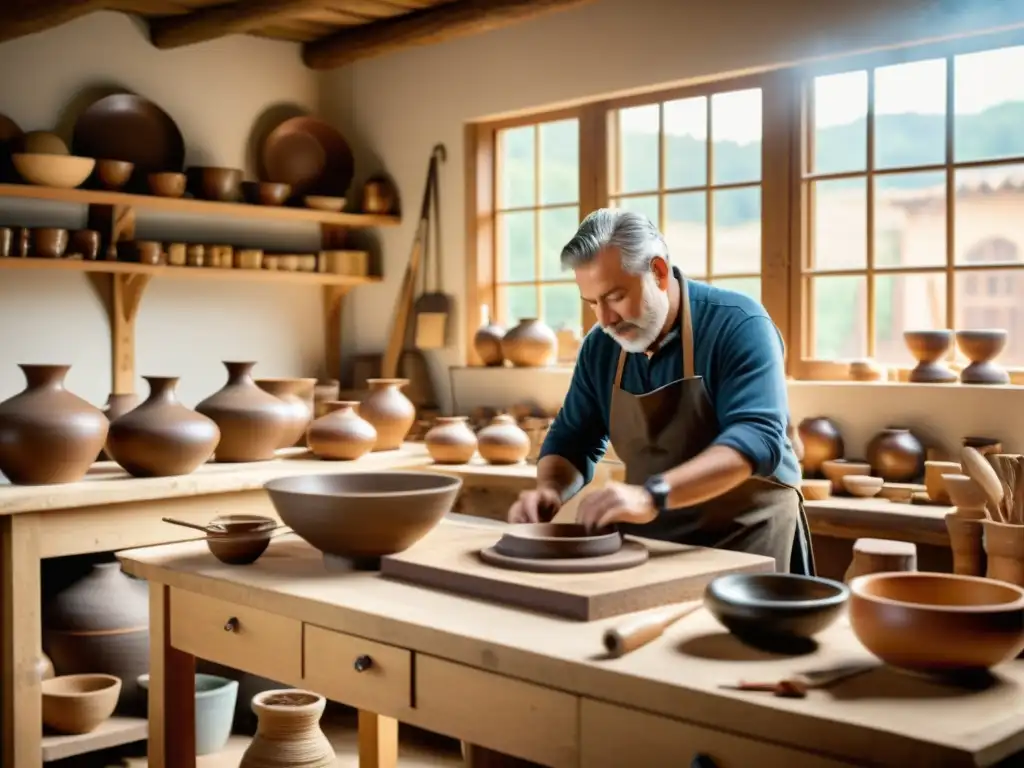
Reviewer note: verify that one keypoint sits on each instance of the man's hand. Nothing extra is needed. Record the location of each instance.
(535, 506)
(616, 503)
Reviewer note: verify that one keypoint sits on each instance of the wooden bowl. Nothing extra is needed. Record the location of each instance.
(220, 184)
(774, 606)
(324, 203)
(266, 192)
(239, 548)
(113, 174)
(543, 541)
(364, 515)
(937, 623)
(79, 703)
(167, 184)
(862, 486)
(816, 490)
(59, 171)
(836, 469)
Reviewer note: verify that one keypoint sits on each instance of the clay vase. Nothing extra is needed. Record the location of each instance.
(288, 732)
(162, 438)
(298, 395)
(929, 347)
(117, 406)
(982, 348)
(450, 440)
(896, 455)
(389, 411)
(47, 434)
(1004, 547)
(530, 344)
(487, 341)
(252, 422)
(822, 442)
(99, 622)
(341, 433)
(502, 441)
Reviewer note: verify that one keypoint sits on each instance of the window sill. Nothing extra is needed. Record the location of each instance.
(906, 385)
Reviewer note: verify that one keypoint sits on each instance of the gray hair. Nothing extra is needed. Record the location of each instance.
(636, 237)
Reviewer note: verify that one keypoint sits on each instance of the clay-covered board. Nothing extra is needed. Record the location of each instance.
(447, 559)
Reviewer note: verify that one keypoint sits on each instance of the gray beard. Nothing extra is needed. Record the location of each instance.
(650, 322)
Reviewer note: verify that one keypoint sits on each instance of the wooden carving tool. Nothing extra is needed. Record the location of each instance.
(639, 631)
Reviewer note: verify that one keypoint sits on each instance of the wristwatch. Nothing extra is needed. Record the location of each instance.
(658, 489)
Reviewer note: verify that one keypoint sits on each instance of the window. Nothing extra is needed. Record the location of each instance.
(913, 195)
(693, 166)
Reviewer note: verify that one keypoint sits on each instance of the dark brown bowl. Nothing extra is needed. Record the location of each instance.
(239, 548)
(167, 184)
(543, 541)
(221, 184)
(49, 242)
(363, 515)
(113, 174)
(265, 192)
(937, 623)
(772, 607)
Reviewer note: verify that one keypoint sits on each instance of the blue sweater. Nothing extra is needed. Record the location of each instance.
(739, 352)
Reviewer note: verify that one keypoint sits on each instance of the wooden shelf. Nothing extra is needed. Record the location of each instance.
(111, 733)
(181, 205)
(187, 273)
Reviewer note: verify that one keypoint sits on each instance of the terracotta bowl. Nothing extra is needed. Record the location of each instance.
(937, 623)
(79, 703)
(113, 174)
(816, 490)
(774, 606)
(266, 192)
(167, 184)
(364, 515)
(542, 541)
(862, 486)
(836, 469)
(60, 171)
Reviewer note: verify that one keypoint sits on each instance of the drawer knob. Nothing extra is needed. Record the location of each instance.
(231, 625)
(363, 663)
(703, 761)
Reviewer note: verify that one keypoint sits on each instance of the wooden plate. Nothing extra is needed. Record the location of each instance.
(310, 155)
(630, 555)
(127, 127)
(545, 541)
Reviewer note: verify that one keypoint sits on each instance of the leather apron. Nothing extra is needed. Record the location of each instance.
(655, 432)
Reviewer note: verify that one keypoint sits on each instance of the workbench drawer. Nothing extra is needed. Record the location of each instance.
(511, 716)
(358, 672)
(238, 636)
(613, 736)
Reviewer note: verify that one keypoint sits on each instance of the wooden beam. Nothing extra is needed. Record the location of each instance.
(431, 25)
(227, 19)
(31, 16)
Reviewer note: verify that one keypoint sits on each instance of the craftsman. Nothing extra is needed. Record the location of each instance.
(687, 381)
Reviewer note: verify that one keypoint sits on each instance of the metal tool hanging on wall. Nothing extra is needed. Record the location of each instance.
(433, 308)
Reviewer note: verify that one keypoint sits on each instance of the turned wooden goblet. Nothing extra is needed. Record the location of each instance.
(981, 347)
(929, 347)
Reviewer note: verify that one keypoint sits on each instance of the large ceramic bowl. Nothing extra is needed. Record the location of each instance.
(79, 703)
(364, 515)
(774, 606)
(937, 622)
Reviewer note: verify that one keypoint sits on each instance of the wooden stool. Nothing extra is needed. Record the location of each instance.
(881, 556)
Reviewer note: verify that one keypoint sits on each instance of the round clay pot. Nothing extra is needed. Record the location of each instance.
(502, 441)
(822, 442)
(530, 344)
(982, 347)
(487, 341)
(47, 434)
(929, 347)
(117, 406)
(288, 731)
(389, 411)
(896, 455)
(252, 422)
(450, 440)
(99, 622)
(298, 395)
(162, 437)
(341, 433)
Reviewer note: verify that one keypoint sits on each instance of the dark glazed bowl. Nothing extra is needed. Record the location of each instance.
(363, 515)
(220, 184)
(775, 606)
(265, 192)
(542, 541)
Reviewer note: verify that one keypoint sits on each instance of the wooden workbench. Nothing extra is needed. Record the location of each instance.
(537, 687)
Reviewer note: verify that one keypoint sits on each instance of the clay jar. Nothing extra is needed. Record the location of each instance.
(450, 440)
(896, 455)
(530, 344)
(341, 433)
(252, 422)
(297, 394)
(288, 732)
(502, 441)
(100, 623)
(389, 411)
(47, 434)
(161, 437)
(117, 405)
(822, 442)
(487, 341)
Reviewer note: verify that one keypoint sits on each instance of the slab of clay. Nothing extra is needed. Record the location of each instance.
(448, 558)
(555, 541)
(629, 555)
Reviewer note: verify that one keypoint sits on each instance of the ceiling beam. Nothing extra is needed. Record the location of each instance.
(32, 16)
(425, 27)
(236, 18)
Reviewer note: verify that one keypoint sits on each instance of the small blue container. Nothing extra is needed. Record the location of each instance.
(215, 710)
